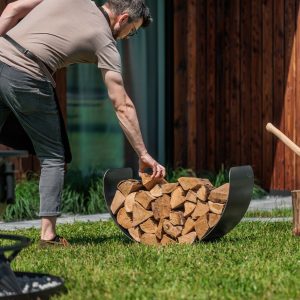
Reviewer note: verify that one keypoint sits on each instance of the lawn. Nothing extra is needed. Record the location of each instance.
(254, 261)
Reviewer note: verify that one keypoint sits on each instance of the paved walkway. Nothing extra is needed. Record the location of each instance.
(268, 203)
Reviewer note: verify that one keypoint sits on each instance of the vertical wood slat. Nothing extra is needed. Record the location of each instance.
(246, 22)
(267, 91)
(191, 84)
(278, 100)
(211, 84)
(289, 98)
(234, 100)
(201, 86)
(256, 87)
(297, 102)
(180, 87)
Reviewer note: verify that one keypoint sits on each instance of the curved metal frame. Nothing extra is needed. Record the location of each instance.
(241, 181)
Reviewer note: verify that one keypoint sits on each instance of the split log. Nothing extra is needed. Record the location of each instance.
(136, 233)
(216, 208)
(173, 231)
(139, 214)
(177, 218)
(188, 226)
(188, 238)
(124, 218)
(149, 226)
(159, 231)
(200, 210)
(219, 194)
(192, 183)
(166, 240)
(168, 188)
(129, 202)
(177, 197)
(189, 207)
(149, 182)
(149, 239)
(117, 202)
(203, 192)
(191, 196)
(161, 207)
(156, 191)
(144, 198)
(201, 226)
(129, 186)
(213, 219)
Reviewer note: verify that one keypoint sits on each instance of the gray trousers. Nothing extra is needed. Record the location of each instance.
(32, 102)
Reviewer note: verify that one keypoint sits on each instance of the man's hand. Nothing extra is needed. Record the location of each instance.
(146, 161)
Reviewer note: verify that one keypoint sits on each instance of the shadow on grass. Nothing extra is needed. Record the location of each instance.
(100, 240)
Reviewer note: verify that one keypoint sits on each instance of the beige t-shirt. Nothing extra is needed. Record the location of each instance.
(60, 33)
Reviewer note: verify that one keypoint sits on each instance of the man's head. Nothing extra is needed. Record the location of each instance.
(129, 16)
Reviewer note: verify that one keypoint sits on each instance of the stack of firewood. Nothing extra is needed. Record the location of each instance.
(157, 212)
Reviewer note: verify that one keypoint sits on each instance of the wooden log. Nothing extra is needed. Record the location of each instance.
(187, 238)
(144, 198)
(213, 219)
(177, 197)
(219, 194)
(192, 183)
(201, 226)
(149, 239)
(203, 193)
(117, 202)
(129, 202)
(159, 231)
(168, 188)
(129, 186)
(161, 207)
(177, 218)
(149, 226)
(166, 240)
(191, 196)
(136, 233)
(124, 218)
(201, 209)
(156, 191)
(139, 214)
(149, 182)
(171, 230)
(189, 225)
(216, 208)
(189, 207)
(296, 212)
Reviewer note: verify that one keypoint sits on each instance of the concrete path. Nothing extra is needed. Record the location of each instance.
(267, 203)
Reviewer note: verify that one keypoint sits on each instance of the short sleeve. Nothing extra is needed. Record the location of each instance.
(109, 58)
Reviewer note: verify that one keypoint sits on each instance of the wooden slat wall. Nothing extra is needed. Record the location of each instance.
(237, 67)
(31, 164)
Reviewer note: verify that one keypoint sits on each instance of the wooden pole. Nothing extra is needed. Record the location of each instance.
(296, 212)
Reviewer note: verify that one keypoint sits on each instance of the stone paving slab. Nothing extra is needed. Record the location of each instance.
(270, 203)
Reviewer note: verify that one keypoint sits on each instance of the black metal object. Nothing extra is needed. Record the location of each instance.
(10, 282)
(241, 181)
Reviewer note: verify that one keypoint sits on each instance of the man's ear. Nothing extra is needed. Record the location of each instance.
(124, 18)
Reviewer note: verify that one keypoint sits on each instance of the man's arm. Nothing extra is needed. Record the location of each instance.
(14, 12)
(127, 116)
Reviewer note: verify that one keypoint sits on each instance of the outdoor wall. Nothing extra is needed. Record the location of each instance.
(237, 67)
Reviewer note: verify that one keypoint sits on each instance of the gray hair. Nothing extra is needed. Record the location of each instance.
(136, 10)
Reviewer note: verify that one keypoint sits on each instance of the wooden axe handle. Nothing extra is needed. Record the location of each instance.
(271, 128)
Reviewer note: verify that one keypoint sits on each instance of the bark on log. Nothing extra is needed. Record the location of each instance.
(129, 186)
(168, 188)
(219, 194)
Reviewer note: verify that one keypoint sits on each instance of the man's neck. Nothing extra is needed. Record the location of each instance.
(111, 16)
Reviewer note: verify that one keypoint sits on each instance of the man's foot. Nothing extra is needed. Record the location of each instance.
(57, 241)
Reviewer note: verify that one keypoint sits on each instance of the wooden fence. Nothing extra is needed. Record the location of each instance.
(237, 67)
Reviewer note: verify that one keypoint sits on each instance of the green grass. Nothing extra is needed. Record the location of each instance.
(278, 212)
(254, 261)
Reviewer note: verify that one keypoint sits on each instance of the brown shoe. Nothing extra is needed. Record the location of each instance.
(57, 241)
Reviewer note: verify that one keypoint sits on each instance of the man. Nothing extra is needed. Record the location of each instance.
(60, 33)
